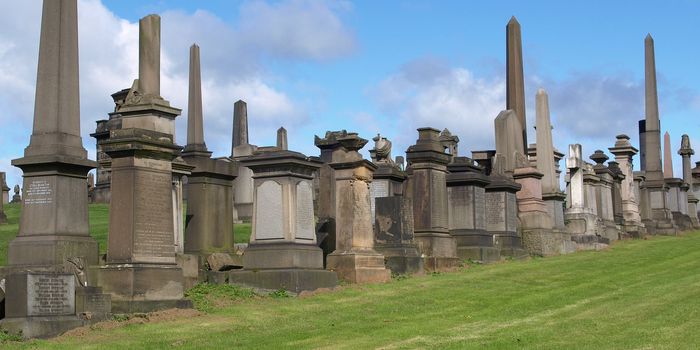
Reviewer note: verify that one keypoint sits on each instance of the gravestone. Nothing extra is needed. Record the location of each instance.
(243, 184)
(354, 258)
(209, 189)
(427, 169)
(141, 272)
(629, 190)
(393, 235)
(5, 188)
(502, 210)
(283, 252)
(604, 196)
(686, 152)
(3, 217)
(16, 198)
(388, 178)
(618, 177)
(677, 194)
(466, 193)
(581, 219)
(515, 80)
(657, 189)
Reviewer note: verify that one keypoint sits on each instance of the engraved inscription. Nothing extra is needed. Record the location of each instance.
(511, 213)
(268, 211)
(377, 189)
(50, 294)
(495, 211)
(438, 199)
(153, 218)
(38, 192)
(479, 209)
(305, 211)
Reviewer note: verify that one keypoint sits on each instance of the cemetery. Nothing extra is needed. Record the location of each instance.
(268, 247)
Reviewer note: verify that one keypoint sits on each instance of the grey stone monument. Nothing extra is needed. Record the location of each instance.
(5, 189)
(141, 272)
(502, 209)
(629, 191)
(243, 184)
(466, 193)
(509, 139)
(686, 152)
(283, 252)
(282, 139)
(642, 125)
(209, 188)
(388, 179)
(604, 196)
(677, 195)
(515, 81)
(16, 198)
(581, 219)
(393, 236)
(427, 169)
(654, 182)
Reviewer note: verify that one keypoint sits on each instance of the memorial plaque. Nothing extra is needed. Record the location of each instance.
(153, 220)
(511, 213)
(269, 211)
(305, 211)
(479, 210)
(495, 211)
(39, 191)
(460, 217)
(377, 189)
(50, 294)
(438, 201)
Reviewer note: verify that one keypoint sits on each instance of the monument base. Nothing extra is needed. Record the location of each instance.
(43, 327)
(477, 245)
(544, 242)
(510, 245)
(663, 223)
(610, 230)
(293, 280)
(682, 220)
(141, 287)
(34, 250)
(590, 242)
(401, 258)
(359, 266)
(581, 222)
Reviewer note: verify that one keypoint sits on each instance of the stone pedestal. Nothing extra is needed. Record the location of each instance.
(686, 152)
(466, 193)
(677, 199)
(580, 215)
(629, 189)
(283, 252)
(661, 215)
(394, 235)
(388, 181)
(502, 215)
(354, 258)
(604, 193)
(427, 168)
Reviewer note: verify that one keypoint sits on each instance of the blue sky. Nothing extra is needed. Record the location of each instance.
(375, 66)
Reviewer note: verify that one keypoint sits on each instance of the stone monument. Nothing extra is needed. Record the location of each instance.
(685, 152)
(427, 166)
(5, 189)
(243, 184)
(677, 195)
(631, 220)
(581, 220)
(283, 252)
(209, 221)
(663, 222)
(16, 198)
(604, 196)
(394, 235)
(141, 272)
(515, 81)
(388, 179)
(502, 209)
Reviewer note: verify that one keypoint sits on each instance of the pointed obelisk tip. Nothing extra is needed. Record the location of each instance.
(541, 91)
(513, 20)
(648, 37)
(239, 102)
(194, 46)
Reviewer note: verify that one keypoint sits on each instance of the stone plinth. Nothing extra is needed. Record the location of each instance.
(629, 190)
(394, 235)
(580, 215)
(466, 193)
(283, 252)
(677, 201)
(387, 182)
(427, 166)
(502, 211)
(604, 196)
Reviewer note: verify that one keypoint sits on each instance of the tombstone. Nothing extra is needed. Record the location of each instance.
(483, 159)
(181, 170)
(283, 252)
(393, 235)
(552, 194)
(243, 184)
(629, 190)
(515, 79)
(580, 215)
(508, 138)
(141, 272)
(466, 193)
(502, 210)
(54, 234)
(16, 198)
(695, 173)
(3, 217)
(427, 168)
(618, 177)
(677, 194)
(642, 126)
(354, 258)
(209, 219)
(5, 189)
(661, 215)
(685, 152)
(388, 178)
(604, 196)
(450, 142)
(644, 204)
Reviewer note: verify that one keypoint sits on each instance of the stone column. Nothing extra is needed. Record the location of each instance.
(282, 138)
(581, 219)
(54, 220)
(209, 190)
(685, 152)
(624, 153)
(677, 194)
(515, 81)
(466, 193)
(243, 184)
(354, 258)
(654, 183)
(5, 189)
(283, 252)
(427, 166)
(508, 139)
(141, 272)
(618, 177)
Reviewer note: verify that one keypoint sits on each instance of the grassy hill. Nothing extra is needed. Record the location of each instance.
(642, 294)
(99, 227)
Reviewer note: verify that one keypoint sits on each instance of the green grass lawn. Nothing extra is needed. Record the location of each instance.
(99, 228)
(642, 294)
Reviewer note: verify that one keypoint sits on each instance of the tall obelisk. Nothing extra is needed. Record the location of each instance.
(515, 82)
(668, 156)
(54, 222)
(654, 183)
(195, 122)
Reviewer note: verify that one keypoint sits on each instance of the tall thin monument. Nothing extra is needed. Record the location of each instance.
(54, 222)
(515, 82)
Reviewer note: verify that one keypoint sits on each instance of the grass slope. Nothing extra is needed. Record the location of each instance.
(642, 294)
(99, 227)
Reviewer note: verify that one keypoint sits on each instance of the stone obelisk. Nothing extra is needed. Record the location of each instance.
(657, 189)
(686, 152)
(240, 126)
(515, 81)
(243, 185)
(209, 188)
(282, 138)
(141, 272)
(54, 221)
(668, 157)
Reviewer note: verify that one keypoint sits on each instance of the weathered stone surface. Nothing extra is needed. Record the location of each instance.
(686, 152)
(394, 235)
(624, 153)
(509, 138)
(668, 157)
(195, 119)
(515, 81)
(221, 262)
(282, 139)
